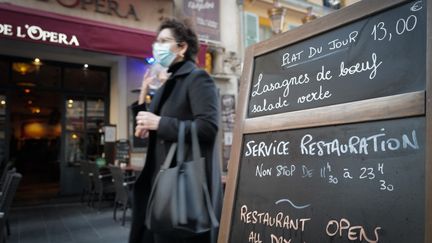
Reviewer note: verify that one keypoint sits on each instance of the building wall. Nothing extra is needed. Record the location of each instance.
(231, 44)
(296, 10)
(260, 8)
(344, 2)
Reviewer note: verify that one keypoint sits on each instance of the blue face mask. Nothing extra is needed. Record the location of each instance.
(163, 55)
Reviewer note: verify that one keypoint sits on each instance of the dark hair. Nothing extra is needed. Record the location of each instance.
(182, 32)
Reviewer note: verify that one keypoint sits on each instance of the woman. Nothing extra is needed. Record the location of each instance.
(189, 94)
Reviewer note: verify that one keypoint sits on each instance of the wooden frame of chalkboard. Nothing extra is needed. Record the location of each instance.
(262, 113)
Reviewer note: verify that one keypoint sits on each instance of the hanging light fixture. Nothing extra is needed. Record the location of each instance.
(37, 63)
(23, 68)
(277, 16)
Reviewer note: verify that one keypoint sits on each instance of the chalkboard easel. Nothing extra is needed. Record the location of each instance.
(333, 131)
(122, 151)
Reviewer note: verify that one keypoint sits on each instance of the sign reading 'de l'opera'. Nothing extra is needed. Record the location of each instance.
(37, 33)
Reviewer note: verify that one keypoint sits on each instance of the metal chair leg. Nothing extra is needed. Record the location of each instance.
(8, 227)
(100, 200)
(115, 211)
(124, 214)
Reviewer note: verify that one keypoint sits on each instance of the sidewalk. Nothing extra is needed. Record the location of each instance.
(74, 223)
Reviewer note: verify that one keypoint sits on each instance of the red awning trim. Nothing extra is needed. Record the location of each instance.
(43, 27)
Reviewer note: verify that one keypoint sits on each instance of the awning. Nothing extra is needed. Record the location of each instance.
(54, 29)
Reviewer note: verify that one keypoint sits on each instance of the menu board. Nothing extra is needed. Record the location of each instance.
(332, 131)
(350, 63)
(359, 182)
(122, 150)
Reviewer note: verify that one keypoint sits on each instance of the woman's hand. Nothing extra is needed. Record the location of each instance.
(147, 79)
(141, 133)
(146, 121)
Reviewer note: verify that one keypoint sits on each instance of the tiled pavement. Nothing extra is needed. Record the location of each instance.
(66, 223)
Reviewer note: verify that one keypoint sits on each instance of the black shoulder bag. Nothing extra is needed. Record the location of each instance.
(179, 203)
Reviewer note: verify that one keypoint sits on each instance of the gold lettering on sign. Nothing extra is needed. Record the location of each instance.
(107, 7)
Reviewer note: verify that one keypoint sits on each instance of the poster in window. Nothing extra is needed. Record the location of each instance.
(205, 18)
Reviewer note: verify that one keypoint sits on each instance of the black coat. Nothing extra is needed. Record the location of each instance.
(188, 95)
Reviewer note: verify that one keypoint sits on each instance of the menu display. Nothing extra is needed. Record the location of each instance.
(370, 58)
(360, 182)
(122, 151)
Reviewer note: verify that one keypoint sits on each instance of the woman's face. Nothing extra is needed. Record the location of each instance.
(179, 49)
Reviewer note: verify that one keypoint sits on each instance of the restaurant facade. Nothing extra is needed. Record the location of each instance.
(68, 70)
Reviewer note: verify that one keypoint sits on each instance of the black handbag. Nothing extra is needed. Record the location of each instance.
(179, 202)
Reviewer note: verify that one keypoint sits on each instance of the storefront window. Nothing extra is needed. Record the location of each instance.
(4, 72)
(95, 114)
(85, 79)
(75, 147)
(82, 91)
(75, 114)
(84, 119)
(95, 121)
(31, 74)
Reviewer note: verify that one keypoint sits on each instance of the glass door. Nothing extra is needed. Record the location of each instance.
(83, 122)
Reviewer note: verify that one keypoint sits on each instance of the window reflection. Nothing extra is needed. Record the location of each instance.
(2, 105)
(84, 120)
(75, 114)
(75, 147)
(95, 114)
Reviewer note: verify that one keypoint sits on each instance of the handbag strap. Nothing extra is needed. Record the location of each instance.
(169, 157)
(181, 143)
(196, 151)
(195, 144)
(214, 221)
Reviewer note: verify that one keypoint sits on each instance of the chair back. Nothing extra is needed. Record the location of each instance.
(86, 175)
(4, 173)
(94, 170)
(7, 199)
(10, 190)
(6, 181)
(121, 189)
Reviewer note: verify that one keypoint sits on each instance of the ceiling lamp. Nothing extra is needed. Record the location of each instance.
(37, 63)
(23, 68)
(277, 17)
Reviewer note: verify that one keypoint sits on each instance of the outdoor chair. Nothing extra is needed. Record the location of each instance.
(6, 176)
(122, 185)
(4, 172)
(87, 180)
(6, 201)
(102, 183)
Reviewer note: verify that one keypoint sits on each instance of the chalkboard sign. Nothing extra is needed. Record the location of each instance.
(332, 130)
(122, 150)
(372, 57)
(333, 184)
